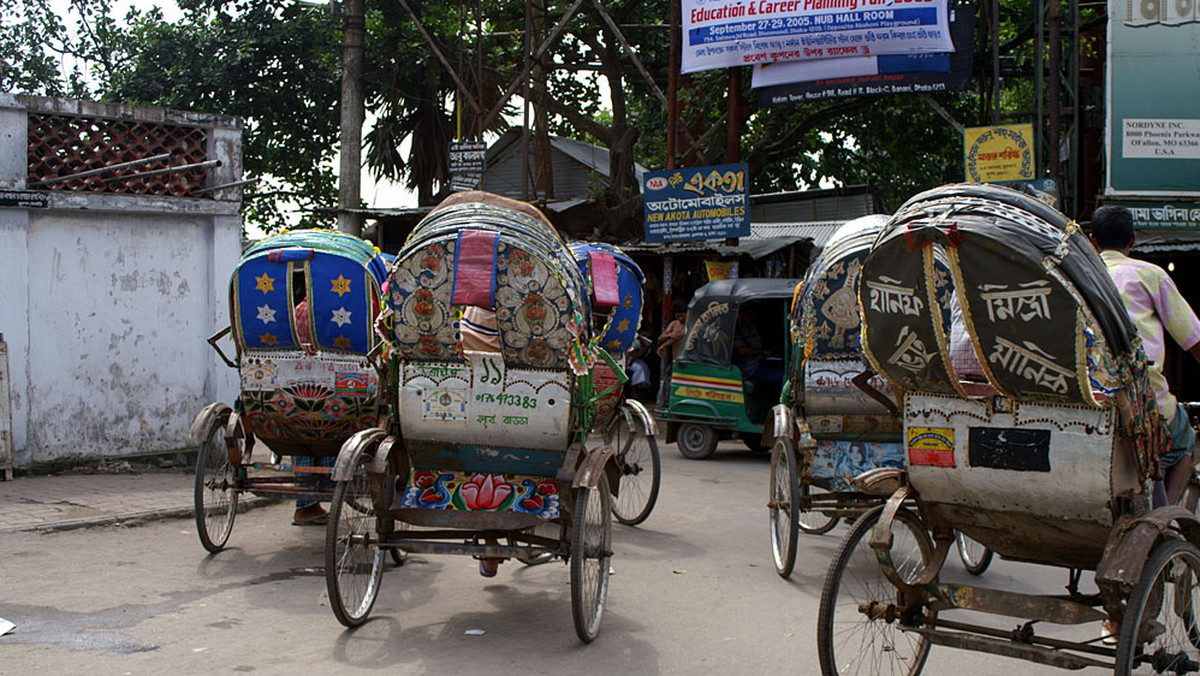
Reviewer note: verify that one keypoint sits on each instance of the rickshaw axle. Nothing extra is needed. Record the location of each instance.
(1162, 661)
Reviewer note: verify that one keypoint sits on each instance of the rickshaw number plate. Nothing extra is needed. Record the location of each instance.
(931, 446)
(1018, 450)
(825, 424)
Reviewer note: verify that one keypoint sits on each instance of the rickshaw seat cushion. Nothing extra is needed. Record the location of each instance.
(475, 268)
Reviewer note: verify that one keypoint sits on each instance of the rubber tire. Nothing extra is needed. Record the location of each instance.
(973, 567)
(216, 495)
(591, 544)
(346, 559)
(636, 451)
(855, 550)
(814, 524)
(782, 501)
(696, 441)
(1149, 592)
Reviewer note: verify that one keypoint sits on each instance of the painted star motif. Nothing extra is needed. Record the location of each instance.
(342, 342)
(623, 326)
(341, 286)
(628, 300)
(614, 343)
(268, 339)
(341, 316)
(265, 314)
(265, 283)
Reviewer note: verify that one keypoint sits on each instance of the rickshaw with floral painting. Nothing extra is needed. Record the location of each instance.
(302, 306)
(491, 394)
(729, 372)
(1048, 455)
(836, 425)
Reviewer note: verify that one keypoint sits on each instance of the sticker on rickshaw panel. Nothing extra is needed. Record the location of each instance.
(931, 446)
(836, 463)
(1013, 449)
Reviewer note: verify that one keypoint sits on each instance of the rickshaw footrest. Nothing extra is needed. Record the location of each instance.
(1023, 651)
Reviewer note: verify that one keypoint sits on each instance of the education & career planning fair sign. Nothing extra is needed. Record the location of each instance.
(730, 33)
(697, 203)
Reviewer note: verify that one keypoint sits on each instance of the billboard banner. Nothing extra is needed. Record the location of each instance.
(1153, 127)
(730, 33)
(998, 154)
(697, 203)
(817, 80)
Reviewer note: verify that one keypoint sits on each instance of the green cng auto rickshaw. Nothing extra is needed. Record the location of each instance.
(730, 371)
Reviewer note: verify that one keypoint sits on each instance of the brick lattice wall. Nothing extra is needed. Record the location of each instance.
(60, 145)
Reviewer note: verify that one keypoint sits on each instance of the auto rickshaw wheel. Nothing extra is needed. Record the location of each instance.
(696, 441)
(353, 562)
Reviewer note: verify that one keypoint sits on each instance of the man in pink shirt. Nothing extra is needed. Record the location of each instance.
(1154, 305)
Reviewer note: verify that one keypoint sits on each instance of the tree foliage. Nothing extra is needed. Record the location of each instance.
(277, 65)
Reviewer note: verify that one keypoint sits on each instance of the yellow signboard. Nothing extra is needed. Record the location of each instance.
(998, 154)
(717, 270)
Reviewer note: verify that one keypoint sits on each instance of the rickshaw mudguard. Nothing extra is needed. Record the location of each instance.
(1133, 538)
(355, 446)
(632, 410)
(593, 463)
(206, 417)
(783, 422)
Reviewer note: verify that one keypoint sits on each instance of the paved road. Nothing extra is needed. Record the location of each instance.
(694, 592)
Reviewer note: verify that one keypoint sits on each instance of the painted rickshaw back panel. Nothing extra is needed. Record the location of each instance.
(1033, 462)
(298, 401)
(487, 431)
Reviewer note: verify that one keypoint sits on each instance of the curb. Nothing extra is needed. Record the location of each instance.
(133, 518)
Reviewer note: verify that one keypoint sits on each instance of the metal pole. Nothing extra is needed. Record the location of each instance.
(101, 170)
(165, 170)
(350, 176)
(1054, 24)
(673, 85)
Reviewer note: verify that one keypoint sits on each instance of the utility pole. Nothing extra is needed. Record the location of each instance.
(350, 175)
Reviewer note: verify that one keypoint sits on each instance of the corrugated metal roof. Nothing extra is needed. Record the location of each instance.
(818, 232)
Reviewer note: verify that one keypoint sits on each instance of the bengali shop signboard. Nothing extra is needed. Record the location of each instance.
(730, 33)
(1153, 107)
(697, 203)
(1173, 215)
(998, 154)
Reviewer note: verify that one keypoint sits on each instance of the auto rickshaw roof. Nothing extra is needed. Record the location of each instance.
(747, 289)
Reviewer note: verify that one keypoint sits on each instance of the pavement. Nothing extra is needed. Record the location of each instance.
(66, 501)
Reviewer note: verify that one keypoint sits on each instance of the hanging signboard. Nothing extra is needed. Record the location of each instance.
(998, 154)
(1153, 127)
(697, 203)
(730, 33)
(466, 163)
(820, 79)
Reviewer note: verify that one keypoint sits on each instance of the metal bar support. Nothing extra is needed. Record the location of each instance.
(102, 170)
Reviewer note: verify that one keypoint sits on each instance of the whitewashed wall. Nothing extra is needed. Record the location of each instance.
(106, 302)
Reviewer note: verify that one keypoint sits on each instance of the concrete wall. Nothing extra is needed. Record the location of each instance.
(106, 301)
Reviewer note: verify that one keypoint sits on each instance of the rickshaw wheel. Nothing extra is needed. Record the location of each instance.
(848, 640)
(696, 441)
(215, 497)
(591, 543)
(353, 563)
(975, 557)
(641, 471)
(783, 506)
(1158, 634)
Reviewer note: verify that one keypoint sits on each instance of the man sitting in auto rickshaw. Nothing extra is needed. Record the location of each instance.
(748, 350)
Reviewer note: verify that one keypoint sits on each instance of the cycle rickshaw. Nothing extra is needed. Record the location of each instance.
(836, 423)
(709, 396)
(625, 424)
(300, 400)
(482, 453)
(1049, 460)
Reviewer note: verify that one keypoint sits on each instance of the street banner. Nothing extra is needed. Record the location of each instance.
(820, 79)
(1152, 135)
(999, 154)
(730, 33)
(697, 203)
(1172, 215)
